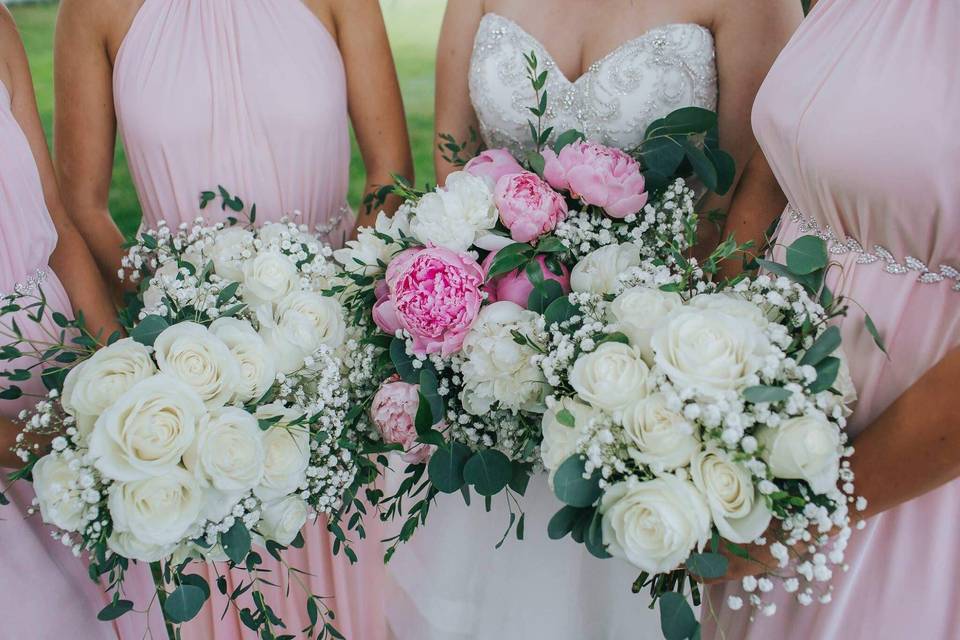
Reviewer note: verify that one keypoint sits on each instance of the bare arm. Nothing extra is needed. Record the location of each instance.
(454, 112)
(373, 96)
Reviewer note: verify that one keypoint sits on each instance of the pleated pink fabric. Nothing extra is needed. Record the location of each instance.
(251, 95)
(858, 119)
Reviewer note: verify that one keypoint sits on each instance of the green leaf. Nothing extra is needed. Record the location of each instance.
(428, 389)
(60, 320)
(707, 565)
(227, 293)
(488, 471)
(445, 468)
(563, 521)
(506, 263)
(520, 478)
(236, 542)
(566, 138)
(701, 165)
(114, 610)
(677, 621)
(536, 162)
(874, 333)
(551, 244)
(827, 343)
(566, 418)
(184, 603)
(736, 550)
(197, 581)
(594, 538)
(684, 121)
(11, 393)
(661, 156)
(763, 393)
(534, 273)
(572, 488)
(148, 329)
(544, 294)
(402, 362)
(560, 310)
(807, 254)
(725, 166)
(827, 370)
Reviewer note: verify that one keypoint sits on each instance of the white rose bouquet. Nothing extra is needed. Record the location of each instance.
(217, 426)
(689, 420)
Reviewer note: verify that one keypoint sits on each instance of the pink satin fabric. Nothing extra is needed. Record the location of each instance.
(250, 95)
(858, 120)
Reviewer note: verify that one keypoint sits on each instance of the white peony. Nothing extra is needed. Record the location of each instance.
(127, 545)
(637, 311)
(497, 369)
(227, 252)
(611, 377)
(57, 487)
(364, 255)
(560, 440)
(804, 448)
(145, 432)
(157, 511)
(660, 438)
(739, 511)
(656, 524)
(707, 350)
(191, 353)
(282, 519)
(257, 368)
(599, 271)
(228, 452)
(287, 454)
(93, 385)
(268, 278)
(846, 390)
(452, 216)
(732, 304)
(305, 321)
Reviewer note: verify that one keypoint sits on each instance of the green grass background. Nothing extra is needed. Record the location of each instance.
(413, 26)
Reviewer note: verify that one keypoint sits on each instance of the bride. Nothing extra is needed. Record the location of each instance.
(615, 66)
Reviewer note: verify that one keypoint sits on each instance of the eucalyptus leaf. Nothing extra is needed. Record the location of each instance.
(572, 488)
(114, 610)
(236, 542)
(874, 333)
(702, 166)
(488, 471)
(676, 617)
(827, 370)
(566, 418)
(763, 393)
(445, 468)
(594, 538)
(560, 310)
(707, 565)
(543, 295)
(184, 603)
(148, 329)
(563, 521)
(402, 362)
(807, 254)
(662, 155)
(823, 346)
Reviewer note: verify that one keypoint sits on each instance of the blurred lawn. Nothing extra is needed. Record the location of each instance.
(414, 26)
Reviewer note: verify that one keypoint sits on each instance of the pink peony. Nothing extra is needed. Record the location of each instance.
(528, 206)
(394, 410)
(434, 294)
(516, 286)
(493, 164)
(597, 175)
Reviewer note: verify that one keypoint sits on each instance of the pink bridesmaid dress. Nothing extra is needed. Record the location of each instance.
(47, 592)
(251, 95)
(858, 119)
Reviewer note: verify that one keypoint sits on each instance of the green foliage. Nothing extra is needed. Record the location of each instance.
(707, 565)
(446, 467)
(148, 329)
(676, 617)
(488, 471)
(184, 603)
(572, 488)
(236, 542)
(763, 393)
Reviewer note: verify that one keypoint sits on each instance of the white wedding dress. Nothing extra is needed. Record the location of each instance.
(449, 582)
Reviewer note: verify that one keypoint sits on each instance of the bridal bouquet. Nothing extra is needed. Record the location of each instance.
(219, 424)
(689, 419)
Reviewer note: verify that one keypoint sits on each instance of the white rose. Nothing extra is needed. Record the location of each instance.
(282, 519)
(369, 250)
(304, 322)
(732, 304)
(145, 432)
(58, 493)
(560, 440)
(497, 369)
(654, 525)
(287, 454)
(268, 278)
(599, 271)
(127, 545)
(157, 511)
(637, 311)
(452, 216)
(738, 509)
(257, 368)
(708, 351)
(227, 250)
(804, 448)
(227, 453)
(661, 438)
(191, 353)
(611, 377)
(95, 384)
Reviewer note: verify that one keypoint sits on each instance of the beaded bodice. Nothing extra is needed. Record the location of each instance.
(665, 68)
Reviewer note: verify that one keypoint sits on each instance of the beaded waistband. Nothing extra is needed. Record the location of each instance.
(28, 286)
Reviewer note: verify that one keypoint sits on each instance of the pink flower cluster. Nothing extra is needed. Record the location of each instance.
(394, 411)
(597, 175)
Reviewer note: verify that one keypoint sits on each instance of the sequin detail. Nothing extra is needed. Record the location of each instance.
(843, 246)
(28, 286)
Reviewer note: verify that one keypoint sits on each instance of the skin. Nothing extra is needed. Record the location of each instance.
(71, 259)
(89, 34)
(748, 35)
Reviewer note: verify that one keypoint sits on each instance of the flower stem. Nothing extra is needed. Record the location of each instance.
(156, 569)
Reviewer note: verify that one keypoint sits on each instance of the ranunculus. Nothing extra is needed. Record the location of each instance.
(191, 353)
(282, 519)
(394, 411)
(93, 385)
(708, 351)
(145, 432)
(560, 440)
(656, 524)
(515, 286)
(257, 367)
(528, 206)
(364, 255)
(435, 295)
(286, 454)
(599, 271)
(637, 311)
(159, 510)
(493, 164)
(497, 369)
(228, 246)
(454, 215)
(57, 488)
(227, 453)
(732, 304)
(739, 510)
(602, 176)
(660, 438)
(268, 278)
(611, 377)
(804, 448)
(127, 545)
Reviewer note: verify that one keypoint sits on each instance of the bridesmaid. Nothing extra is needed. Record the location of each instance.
(857, 123)
(38, 242)
(255, 96)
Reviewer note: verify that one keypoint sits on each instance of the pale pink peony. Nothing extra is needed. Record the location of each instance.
(493, 164)
(595, 174)
(516, 286)
(528, 206)
(434, 294)
(394, 411)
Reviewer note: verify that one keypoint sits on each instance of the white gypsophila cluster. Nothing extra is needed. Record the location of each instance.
(662, 222)
(375, 246)
(660, 412)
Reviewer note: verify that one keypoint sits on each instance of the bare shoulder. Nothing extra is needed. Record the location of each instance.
(758, 12)
(11, 49)
(102, 21)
